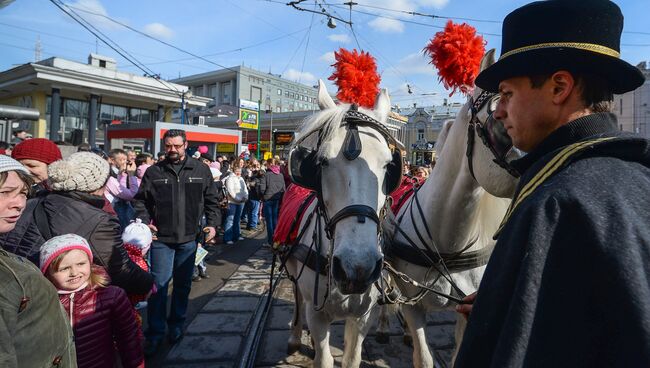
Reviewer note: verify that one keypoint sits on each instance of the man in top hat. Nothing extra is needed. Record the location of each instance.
(568, 282)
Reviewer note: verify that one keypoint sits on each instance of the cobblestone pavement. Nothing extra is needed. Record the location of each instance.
(214, 337)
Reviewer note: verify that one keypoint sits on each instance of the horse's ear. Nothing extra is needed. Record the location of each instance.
(382, 105)
(324, 99)
(487, 60)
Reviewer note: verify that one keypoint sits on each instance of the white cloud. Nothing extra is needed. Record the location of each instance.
(298, 76)
(328, 57)
(438, 4)
(158, 30)
(94, 12)
(415, 63)
(342, 38)
(387, 25)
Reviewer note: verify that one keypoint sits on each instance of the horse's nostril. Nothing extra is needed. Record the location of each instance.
(337, 269)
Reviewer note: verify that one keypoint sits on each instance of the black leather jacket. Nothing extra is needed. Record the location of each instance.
(176, 202)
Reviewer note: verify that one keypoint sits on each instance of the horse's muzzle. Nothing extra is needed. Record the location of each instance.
(356, 281)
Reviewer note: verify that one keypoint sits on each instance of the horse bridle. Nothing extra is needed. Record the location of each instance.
(492, 134)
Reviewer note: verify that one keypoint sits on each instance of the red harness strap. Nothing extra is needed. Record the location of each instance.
(294, 202)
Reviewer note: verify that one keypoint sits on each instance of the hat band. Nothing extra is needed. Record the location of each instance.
(574, 45)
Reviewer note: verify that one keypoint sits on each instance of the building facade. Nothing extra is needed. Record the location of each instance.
(226, 87)
(422, 130)
(633, 108)
(76, 100)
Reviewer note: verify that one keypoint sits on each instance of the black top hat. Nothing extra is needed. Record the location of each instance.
(575, 35)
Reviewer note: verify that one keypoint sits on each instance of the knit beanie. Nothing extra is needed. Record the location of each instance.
(138, 234)
(61, 244)
(9, 164)
(81, 171)
(39, 149)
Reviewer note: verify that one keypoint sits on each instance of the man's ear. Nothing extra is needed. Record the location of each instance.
(563, 84)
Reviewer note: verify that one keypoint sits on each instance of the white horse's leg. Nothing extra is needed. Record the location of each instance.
(461, 323)
(296, 322)
(356, 330)
(383, 324)
(319, 327)
(416, 319)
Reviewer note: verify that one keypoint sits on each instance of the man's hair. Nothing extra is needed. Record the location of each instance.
(18, 131)
(84, 147)
(161, 154)
(4, 145)
(595, 91)
(141, 158)
(116, 151)
(171, 133)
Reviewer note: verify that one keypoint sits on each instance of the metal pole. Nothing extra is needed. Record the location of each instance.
(183, 108)
(271, 135)
(259, 125)
(92, 121)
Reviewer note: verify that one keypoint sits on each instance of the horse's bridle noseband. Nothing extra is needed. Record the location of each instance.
(491, 133)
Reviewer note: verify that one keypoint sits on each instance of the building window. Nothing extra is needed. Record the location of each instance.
(225, 92)
(286, 93)
(420, 135)
(279, 92)
(198, 90)
(278, 109)
(102, 63)
(213, 90)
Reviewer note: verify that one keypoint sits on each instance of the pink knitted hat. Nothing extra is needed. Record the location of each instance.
(61, 244)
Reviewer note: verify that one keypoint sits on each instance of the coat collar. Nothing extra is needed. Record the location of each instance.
(574, 131)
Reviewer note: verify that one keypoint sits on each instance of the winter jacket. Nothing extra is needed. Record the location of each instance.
(253, 181)
(36, 332)
(236, 189)
(77, 213)
(272, 186)
(175, 202)
(102, 321)
(567, 284)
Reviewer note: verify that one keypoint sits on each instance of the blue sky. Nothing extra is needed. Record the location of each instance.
(268, 35)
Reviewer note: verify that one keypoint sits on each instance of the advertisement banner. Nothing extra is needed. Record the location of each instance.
(225, 148)
(247, 119)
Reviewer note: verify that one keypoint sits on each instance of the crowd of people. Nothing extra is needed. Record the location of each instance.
(89, 239)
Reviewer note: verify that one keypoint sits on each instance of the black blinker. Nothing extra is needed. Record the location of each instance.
(352, 143)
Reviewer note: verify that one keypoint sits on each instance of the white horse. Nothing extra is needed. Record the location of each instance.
(347, 156)
(454, 214)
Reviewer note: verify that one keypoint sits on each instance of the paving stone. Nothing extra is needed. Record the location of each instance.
(440, 336)
(442, 317)
(250, 276)
(280, 317)
(219, 323)
(225, 303)
(217, 348)
(251, 287)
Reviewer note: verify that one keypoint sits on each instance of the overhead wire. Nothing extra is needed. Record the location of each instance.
(304, 57)
(79, 19)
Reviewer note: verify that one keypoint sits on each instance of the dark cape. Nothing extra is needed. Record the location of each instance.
(568, 283)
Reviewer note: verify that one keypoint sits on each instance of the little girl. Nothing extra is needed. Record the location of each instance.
(101, 316)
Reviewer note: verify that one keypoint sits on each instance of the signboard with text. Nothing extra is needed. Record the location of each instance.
(247, 119)
(283, 137)
(248, 114)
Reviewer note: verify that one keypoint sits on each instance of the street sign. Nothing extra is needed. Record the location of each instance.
(247, 119)
(283, 137)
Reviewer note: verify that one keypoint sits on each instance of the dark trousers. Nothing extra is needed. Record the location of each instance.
(271, 209)
(167, 261)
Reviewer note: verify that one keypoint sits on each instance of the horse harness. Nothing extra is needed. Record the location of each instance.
(492, 133)
(305, 167)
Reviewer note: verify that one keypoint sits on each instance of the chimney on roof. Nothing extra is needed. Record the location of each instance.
(102, 61)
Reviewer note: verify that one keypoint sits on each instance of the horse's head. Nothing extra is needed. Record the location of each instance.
(346, 154)
(489, 148)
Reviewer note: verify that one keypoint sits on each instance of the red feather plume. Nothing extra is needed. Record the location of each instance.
(456, 52)
(356, 76)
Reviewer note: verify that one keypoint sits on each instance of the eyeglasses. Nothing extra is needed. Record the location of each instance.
(177, 146)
